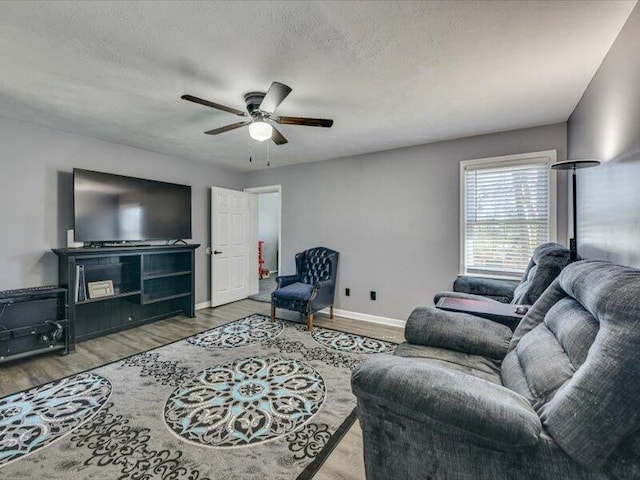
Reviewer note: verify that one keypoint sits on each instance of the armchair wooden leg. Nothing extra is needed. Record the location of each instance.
(273, 312)
(331, 311)
(309, 321)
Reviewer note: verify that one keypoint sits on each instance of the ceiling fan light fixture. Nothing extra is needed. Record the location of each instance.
(260, 130)
(261, 107)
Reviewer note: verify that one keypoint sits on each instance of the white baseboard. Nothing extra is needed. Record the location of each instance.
(200, 306)
(365, 317)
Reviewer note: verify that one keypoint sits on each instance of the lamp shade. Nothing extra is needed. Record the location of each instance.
(260, 130)
(575, 164)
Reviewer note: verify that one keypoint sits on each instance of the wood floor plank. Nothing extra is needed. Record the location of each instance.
(345, 462)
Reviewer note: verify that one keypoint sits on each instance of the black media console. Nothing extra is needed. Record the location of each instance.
(149, 283)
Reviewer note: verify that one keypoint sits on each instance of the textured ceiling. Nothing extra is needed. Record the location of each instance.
(390, 74)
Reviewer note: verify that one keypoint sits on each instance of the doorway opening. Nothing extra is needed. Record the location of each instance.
(269, 239)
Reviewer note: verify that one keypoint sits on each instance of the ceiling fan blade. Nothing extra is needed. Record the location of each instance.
(307, 122)
(275, 96)
(207, 103)
(233, 126)
(277, 137)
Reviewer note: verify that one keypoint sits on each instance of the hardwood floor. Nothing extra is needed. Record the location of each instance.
(345, 463)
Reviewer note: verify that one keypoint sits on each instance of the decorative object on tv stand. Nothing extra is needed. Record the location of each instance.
(574, 165)
(81, 284)
(103, 288)
(71, 243)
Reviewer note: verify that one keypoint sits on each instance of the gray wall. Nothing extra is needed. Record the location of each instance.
(36, 193)
(393, 215)
(268, 227)
(606, 125)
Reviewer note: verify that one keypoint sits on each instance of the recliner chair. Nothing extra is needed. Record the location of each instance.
(313, 286)
(545, 265)
(466, 399)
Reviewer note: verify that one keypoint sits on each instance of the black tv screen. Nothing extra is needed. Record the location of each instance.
(115, 208)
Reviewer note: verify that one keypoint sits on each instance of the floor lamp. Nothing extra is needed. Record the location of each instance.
(574, 165)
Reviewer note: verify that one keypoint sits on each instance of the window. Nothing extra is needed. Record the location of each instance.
(507, 210)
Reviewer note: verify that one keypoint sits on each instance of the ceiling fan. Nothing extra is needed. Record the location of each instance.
(260, 114)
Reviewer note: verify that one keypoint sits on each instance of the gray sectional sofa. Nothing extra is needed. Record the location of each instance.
(466, 399)
(545, 265)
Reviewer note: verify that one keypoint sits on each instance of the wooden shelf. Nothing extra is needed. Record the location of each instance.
(154, 275)
(150, 300)
(111, 297)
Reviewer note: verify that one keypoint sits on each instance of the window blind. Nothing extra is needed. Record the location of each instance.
(506, 216)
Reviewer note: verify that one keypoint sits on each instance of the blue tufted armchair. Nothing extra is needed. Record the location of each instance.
(313, 286)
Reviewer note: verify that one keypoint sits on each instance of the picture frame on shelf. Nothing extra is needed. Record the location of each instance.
(101, 289)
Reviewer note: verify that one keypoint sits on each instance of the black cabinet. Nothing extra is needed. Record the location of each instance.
(32, 321)
(149, 283)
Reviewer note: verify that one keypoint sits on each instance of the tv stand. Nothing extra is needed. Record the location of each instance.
(150, 283)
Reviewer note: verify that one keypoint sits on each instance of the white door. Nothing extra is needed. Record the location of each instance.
(234, 245)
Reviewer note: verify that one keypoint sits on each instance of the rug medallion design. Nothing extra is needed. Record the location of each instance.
(261, 400)
(37, 417)
(348, 342)
(246, 331)
(248, 401)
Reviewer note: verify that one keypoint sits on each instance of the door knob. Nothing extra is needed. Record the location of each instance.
(216, 252)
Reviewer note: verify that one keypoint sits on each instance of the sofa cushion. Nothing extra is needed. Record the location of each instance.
(296, 291)
(544, 362)
(576, 358)
(545, 265)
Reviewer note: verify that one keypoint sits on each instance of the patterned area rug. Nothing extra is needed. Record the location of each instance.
(252, 399)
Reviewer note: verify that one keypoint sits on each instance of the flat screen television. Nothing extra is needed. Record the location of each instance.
(111, 208)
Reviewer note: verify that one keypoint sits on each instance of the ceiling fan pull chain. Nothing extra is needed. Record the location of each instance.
(268, 154)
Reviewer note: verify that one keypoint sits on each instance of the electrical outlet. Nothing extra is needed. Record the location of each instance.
(372, 295)
(347, 292)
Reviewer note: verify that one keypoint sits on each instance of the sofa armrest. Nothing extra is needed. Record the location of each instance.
(324, 284)
(457, 331)
(488, 287)
(323, 292)
(285, 280)
(475, 409)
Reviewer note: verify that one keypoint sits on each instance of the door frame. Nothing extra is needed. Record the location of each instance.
(272, 189)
